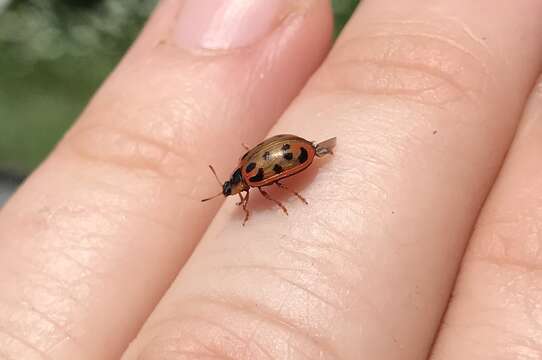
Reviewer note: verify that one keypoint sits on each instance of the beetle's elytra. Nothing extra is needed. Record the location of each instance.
(269, 162)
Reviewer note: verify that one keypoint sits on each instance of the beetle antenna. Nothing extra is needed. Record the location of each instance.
(212, 197)
(219, 183)
(216, 176)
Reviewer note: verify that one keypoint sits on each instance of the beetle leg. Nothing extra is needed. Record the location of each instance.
(241, 201)
(266, 195)
(247, 213)
(293, 192)
(244, 202)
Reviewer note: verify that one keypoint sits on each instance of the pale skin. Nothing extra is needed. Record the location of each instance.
(430, 193)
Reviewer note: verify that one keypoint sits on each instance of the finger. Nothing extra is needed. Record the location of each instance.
(423, 98)
(94, 237)
(497, 298)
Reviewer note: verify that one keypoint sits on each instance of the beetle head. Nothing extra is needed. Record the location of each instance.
(235, 184)
(226, 188)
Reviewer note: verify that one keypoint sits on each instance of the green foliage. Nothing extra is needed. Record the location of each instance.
(54, 54)
(342, 10)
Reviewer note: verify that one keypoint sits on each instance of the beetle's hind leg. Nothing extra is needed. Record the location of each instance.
(244, 202)
(266, 195)
(284, 187)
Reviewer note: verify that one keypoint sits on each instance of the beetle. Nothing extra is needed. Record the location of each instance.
(269, 162)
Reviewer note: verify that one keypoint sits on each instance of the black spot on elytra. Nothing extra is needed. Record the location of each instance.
(258, 176)
(266, 155)
(288, 156)
(277, 169)
(250, 167)
(285, 147)
(303, 156)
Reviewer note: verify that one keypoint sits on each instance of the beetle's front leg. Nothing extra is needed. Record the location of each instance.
(247, 213)
(240, 201)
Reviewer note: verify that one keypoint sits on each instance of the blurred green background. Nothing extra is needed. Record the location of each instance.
(53, 56)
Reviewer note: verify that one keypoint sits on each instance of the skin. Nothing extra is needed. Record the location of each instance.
(425, 99)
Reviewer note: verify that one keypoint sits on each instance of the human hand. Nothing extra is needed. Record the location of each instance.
(424, 99)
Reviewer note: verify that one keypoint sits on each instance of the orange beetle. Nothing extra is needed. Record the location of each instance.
(269, 162)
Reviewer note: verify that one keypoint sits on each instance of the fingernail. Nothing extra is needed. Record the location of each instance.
(227, 24)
